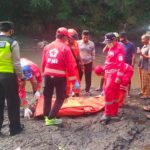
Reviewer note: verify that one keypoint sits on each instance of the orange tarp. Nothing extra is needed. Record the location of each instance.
(75, 106)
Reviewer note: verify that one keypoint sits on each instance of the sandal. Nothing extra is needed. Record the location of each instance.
(144, 97)
(148, 116)
(146, 108)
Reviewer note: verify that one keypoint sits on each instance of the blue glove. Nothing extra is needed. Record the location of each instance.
(76, 85)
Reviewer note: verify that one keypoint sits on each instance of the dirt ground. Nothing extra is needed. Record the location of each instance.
(130, 132)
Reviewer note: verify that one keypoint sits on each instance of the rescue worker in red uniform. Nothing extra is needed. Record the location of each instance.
(113, 76)
(72, 43)
(32, 74)
(56, 60)
(128, 73)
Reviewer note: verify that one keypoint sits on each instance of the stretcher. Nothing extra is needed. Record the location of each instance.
(74, 106)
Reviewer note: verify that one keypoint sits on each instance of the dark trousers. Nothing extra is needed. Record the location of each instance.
(88, 75)
(59, 83)
(9, 91)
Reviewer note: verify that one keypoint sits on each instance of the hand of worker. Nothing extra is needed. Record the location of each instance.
(76, 85)
(118, 81)
(27, 113)
(37, 95)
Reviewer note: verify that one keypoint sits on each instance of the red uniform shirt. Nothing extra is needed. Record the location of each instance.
(57, 57)
(36, 72)
(115, 60)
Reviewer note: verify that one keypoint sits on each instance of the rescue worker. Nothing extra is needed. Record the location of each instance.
(56, 59)
(87, 53)
(32, 74)
(113, 75)
(72, 43)
(128, 73)
(10, 68)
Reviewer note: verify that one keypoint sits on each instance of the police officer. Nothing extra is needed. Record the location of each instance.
(10, 68)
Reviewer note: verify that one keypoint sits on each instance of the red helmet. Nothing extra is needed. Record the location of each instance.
(62, 31)
(73, 34)
(99, 70)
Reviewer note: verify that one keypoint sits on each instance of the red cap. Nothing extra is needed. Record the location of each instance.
(62, 31)
(99, 70)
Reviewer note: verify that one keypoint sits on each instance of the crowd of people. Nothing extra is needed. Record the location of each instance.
(64, 61)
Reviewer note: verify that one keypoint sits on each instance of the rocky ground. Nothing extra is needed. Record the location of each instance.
(131, 132)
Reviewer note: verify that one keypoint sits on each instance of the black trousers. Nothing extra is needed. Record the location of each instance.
(9, 91)
(59, 83)
(88, 75)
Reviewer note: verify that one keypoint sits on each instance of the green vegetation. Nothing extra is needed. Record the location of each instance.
(38, 16)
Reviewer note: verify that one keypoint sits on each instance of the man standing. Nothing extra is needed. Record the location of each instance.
(113, 67)
(56, 60)
(129, 55)
(144, 66)
(87, 53)
(10, 68)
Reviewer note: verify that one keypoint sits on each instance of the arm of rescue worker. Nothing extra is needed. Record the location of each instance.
(70, 64)
(106, 48)
(43, 60)
(120, 61)
(16, 59)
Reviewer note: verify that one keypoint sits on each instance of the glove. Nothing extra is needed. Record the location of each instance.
(27, 113)
(76, 85)
(37, 95)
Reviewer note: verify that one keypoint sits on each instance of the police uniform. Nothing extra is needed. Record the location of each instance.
(9, 68)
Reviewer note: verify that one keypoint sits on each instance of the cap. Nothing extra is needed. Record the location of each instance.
(73, 34)
(6, 26)
(62, 31)
(123, 34)
(27, 72)
(109, 37)
(85, 32)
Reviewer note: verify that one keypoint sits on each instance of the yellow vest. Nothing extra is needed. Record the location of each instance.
(6, 64)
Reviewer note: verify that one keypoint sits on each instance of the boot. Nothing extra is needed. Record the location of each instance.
(16, 129)
(105, 119)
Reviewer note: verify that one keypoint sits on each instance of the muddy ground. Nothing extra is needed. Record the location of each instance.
(131, 132)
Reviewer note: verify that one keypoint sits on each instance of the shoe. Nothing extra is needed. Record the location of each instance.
(105, 120)
(16, 130)
(140, 93)
(75, 95)
(102, 93)
(128, 96)
(53, 121)
(146, 108)
(144, 97)
(88, 94)
(148, 116)
(98, 89)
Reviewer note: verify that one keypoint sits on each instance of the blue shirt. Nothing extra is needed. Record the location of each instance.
(130, 50)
